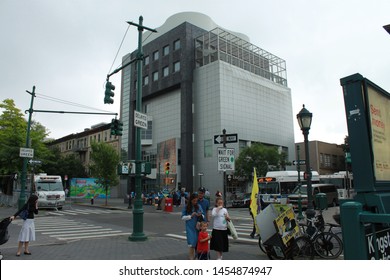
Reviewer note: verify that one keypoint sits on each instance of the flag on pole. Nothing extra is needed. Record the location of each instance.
(255, 191)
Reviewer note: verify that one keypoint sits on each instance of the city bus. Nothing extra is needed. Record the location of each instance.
(343, 180)
(277, 185)
(50, 191)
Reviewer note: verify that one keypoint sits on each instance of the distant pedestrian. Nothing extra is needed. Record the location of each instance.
(202, 201)
(191, 215)
(27, 233)
(202, 248)
(219, 241)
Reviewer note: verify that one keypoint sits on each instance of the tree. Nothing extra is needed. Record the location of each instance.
(13, 129)
(261, 157)
(105, 160)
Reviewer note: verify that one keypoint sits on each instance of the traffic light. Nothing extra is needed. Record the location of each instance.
(116, 127)
(166, 168)
(109, 93)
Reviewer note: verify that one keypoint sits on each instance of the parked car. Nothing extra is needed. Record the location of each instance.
(329, 189)
(242, 200)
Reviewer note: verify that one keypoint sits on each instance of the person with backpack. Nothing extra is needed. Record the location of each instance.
(27, 233)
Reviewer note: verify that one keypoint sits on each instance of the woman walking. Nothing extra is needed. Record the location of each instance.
(192, 214)
(27, 233)
(219, 241)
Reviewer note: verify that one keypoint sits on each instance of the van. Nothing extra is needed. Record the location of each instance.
(329, 189)
(50, 191)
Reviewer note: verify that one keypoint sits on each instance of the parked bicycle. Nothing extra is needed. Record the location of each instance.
(325, 242)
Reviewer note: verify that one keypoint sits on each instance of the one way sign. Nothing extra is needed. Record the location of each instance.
(230, 138)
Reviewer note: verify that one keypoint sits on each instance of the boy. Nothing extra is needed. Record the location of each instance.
(203, 242)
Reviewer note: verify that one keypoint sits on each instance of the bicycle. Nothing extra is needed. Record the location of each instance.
(326, 243)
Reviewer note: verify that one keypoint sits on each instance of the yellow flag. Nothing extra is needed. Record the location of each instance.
(255, 191)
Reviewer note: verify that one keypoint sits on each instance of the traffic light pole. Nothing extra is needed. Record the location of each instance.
(22, 197)
(138, 212)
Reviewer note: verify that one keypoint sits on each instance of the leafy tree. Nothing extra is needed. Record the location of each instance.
(105, 160)
(261, 157)
(13, 129)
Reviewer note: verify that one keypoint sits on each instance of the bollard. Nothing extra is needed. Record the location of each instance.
(92, 201)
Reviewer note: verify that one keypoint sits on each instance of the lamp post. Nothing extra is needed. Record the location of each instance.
(304, 119)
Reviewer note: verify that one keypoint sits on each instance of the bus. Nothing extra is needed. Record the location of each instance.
(343, 180)
(277, 185)
(50, 191)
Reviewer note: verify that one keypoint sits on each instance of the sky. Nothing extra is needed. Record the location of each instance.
(66, 49)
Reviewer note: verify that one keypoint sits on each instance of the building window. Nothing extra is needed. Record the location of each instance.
(208, 148)
(155, 76)
(155, 55)
(165, 71)
(176, 66)
(146, 60)
(145, 81)
(166, 50)
(176, 45)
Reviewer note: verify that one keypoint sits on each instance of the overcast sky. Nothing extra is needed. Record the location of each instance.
(66, 48)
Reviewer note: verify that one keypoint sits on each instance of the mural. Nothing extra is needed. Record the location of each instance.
(87, 188)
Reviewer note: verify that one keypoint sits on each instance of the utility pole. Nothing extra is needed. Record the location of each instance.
(22, 197)
(138, 212)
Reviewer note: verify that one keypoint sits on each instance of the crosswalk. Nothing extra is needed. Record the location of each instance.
(64, 229)
(75, 212)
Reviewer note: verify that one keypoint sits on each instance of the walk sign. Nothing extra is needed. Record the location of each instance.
(226, 159)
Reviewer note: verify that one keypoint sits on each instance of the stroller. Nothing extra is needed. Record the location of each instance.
(4, 235)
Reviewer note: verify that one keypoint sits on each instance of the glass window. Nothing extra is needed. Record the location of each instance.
(155, 76)
(176, 45)
(145, 80)
(155, 55)
(166, 50)
(176, 66)
(146, 60)
(165, 71)
(208, 148)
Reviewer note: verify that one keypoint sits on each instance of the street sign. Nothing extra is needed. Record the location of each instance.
(26, 152)
(301, 162)
(226, 159)
(140, 120)
(230, 138)
(31, 161)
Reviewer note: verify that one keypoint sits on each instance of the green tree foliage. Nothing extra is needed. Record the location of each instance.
(105, 160)
(13, 129)
(261, 157)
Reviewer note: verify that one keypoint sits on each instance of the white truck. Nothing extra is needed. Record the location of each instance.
(50, 191)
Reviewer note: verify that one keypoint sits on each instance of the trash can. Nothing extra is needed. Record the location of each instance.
(168, 204)
(321, 201)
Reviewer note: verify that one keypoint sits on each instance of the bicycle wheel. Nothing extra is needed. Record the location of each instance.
(328, 245)
(302, 248)
(261, 246)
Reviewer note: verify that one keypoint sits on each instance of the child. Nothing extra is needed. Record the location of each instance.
(203, 242)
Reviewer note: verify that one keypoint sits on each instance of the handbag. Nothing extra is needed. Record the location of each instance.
(24, 214)
(232, 229)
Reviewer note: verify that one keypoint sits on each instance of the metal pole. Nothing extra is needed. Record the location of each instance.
(138, 212)
(310, 213)
(300, 216)
(224, 173)
(22, 197)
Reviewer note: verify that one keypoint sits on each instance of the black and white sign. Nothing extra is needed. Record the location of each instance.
(140, 120)
(301, 162)
(226, 159)
(26, 152)
(230, 138)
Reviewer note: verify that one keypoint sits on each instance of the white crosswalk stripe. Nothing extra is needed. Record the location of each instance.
(75, 212)
(67, 229)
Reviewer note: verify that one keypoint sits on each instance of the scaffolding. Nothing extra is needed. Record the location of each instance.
(219, 44)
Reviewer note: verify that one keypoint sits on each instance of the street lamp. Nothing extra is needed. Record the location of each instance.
(304, 119)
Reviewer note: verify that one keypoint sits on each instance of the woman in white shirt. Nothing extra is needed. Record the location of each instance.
(219, 241)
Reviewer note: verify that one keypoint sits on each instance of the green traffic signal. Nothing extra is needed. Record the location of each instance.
(109, 93)
(116, 127)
